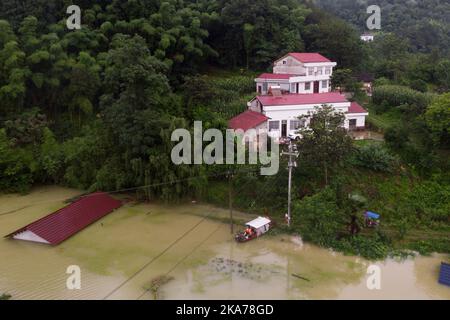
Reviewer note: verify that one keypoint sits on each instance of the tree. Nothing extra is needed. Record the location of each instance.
(413, 141)
(84, 81)
(13, 73)
(137, 94)
(248, 42)
(335, 39)
(442, 74)
(325, 141)
(345, 81)
(16, 166)
(256, 32)
(319, 217)
(437, 117)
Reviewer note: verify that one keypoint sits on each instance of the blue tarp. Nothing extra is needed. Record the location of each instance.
(372, 215)
(444, 275)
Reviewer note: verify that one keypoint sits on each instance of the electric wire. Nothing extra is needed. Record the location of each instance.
(186, 256)
(156, 257)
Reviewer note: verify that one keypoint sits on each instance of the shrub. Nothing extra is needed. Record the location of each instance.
(426, 247)
(375, 157)
(17, 166)
(394, 95)
(373, 248)
(51, 158)
(317, 217)
(430, 202)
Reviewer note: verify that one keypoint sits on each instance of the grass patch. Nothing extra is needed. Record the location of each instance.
(382, 121)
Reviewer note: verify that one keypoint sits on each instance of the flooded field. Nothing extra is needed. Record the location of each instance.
(149, 251)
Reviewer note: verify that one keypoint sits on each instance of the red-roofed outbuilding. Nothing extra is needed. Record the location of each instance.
(65, 222)
(247, 120)
(356, 108)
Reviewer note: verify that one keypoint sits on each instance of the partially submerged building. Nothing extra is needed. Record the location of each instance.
(65, 222)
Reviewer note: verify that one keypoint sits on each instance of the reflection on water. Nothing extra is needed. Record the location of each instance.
(204, 264)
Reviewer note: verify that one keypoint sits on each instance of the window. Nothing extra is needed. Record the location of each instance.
(265, 86)
(284, 61)
(293, 88)
(352, 122)
(319, 71)
(324, 84)
(274, 125)
(307, 85)
(296, 124)
(327, 70)
(310, 71)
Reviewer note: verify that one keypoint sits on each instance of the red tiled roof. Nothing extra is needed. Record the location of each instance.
(65, 222)
(308, 57)
(298, 99)
(247, 120)
(275, 76)
(356, 108)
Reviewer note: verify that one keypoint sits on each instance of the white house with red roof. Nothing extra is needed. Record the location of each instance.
(299, 82)
(298, 73)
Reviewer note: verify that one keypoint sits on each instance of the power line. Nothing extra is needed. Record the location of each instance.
(185, 257)
(127, 189)
(14, 210)
(156, 257)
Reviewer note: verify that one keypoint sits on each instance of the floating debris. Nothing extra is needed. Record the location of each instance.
(245, 269)
(300, 277)
(5, 296)
(156, 283)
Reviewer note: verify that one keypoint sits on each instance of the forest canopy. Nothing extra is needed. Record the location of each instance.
(94, 108)
(424, 23)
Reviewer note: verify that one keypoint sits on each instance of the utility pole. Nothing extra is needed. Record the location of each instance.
(291, 164)
(230, 200)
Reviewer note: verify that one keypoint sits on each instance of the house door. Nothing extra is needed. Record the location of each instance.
(316, 86)
(284, 128)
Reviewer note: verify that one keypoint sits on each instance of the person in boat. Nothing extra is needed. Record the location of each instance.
(248, 232)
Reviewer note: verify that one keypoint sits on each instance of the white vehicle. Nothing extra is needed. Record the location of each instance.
(254, 229)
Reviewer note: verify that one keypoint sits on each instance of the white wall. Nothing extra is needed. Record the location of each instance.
(292, 112)
(360, 119)
(302, 85)
(29, 236)
(291, 66)
(284, 85)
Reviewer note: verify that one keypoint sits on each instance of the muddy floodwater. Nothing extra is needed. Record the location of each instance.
(148, 251)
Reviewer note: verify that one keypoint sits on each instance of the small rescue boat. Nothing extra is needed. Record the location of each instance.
(254, 229)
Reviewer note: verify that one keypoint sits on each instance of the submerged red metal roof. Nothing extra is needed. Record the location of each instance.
(247, 120)
(356, 108)
(65, 222)
(299, 99)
